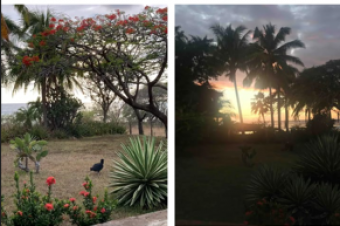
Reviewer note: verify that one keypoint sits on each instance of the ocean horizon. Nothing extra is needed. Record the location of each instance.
(11, 108)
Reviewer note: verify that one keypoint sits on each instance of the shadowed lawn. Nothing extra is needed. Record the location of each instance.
(69, 161)
(210, 180)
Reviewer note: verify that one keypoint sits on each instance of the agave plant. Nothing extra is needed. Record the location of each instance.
(321, 160)
(328, 198)
(140, 174)
(266, 182)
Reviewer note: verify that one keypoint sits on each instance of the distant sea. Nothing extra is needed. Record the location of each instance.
(8, 109)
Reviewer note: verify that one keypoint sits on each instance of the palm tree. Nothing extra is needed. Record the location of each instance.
(231, 46)
(260, 105)
(273, 59)
(27, 116)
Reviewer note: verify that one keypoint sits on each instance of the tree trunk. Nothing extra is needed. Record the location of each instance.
(338, 116)
(130, 127)
(140, 122)
(105, 114)
(278, 109)
(238, 102)
(151, 130)
(287, 115)
(44, 104)
(264, 122)
(309, 115)
(271, 107)
(37, 167)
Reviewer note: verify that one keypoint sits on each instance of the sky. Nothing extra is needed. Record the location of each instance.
(71, 11)
(317, 26)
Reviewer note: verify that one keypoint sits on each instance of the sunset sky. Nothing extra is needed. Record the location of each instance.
(70, 11)
(317, 26)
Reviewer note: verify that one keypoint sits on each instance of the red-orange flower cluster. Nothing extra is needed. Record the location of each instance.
(28, 60)
(162, 11)
(97, 27)
(84, 193)
(122, 22)
(165, 18)
(147, 7)
(92, 214)
(111, 17)
(49, 206)
(103, 210)
(20, 213)
(51, 26)
(72, 199)
(50, 181)
(53, 19)
(134, 18)
(94, 199)
(130, 31)
(66, 205)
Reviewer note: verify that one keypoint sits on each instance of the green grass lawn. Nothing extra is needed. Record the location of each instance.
(211, 179)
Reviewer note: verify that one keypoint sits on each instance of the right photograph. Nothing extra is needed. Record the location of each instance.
(257, 119)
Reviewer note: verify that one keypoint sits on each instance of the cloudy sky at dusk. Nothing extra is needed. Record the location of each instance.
(70, 11)
(317, 26)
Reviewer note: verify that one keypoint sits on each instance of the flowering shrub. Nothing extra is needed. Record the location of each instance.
(31, 208)
(95, 211)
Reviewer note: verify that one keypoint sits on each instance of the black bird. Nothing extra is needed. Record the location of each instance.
(98, 166)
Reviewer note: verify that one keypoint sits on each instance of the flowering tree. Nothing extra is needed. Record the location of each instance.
(127, 53)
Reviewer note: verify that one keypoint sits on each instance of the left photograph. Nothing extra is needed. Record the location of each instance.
(84, 115)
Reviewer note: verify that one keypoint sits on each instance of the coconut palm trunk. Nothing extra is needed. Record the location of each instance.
(44, 102)
(287, 115)
(278, 109)
(271, 107)
(238, 102)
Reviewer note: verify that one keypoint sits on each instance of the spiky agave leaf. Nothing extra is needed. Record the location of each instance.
(140, 176)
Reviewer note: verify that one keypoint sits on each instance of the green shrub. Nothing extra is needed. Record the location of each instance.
(59, 134)
(121, 130)
(248, 153)
(320, 124)
(12, 131)
(39, 132)
(140, 175)
(32, 209)
(320, 160)
(96, 211)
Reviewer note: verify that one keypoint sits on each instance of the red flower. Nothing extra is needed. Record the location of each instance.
(135, 18)
(88, 211)
(52, 32)
(92, 215)
(111, 17)
(129, 31)
(292, 219)
(72, 39)
(260, 203)
(75, 208)
(31, 44)
(66, 205)
(245, 222)
(162, 11)
(49, 206)
(59, 27)
(20, 213)
(49, 180)
(103, 210)
(72, 199)
(95, 208)
(66, 29)
(61, 20)
(165, 18)
(82, 192)
(80, 28)
(26, 60)
(51, 25)
(53, 19)
(34, 36)
(45, 33)
(86, 194)
(85, 185)
(94, 199)
(147, 7)
(3, 214)
(337, 214)
(118, 12)
(36, 59)
(248, 213)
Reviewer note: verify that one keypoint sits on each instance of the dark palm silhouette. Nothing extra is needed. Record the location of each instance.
(260, 105)
(271, 62)
(231, 46)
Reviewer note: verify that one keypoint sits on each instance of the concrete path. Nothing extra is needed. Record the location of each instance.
(158, 218)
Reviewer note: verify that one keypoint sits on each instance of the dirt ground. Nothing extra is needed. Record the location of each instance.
(69, 161)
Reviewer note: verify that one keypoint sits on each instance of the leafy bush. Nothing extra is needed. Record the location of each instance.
(320, 160)
(95, 211)
(25, 148)
(248, 153)
(32, 209)
(320, 124)
(59, 134)
(12, 131)
(140, 176)
(40, 132)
